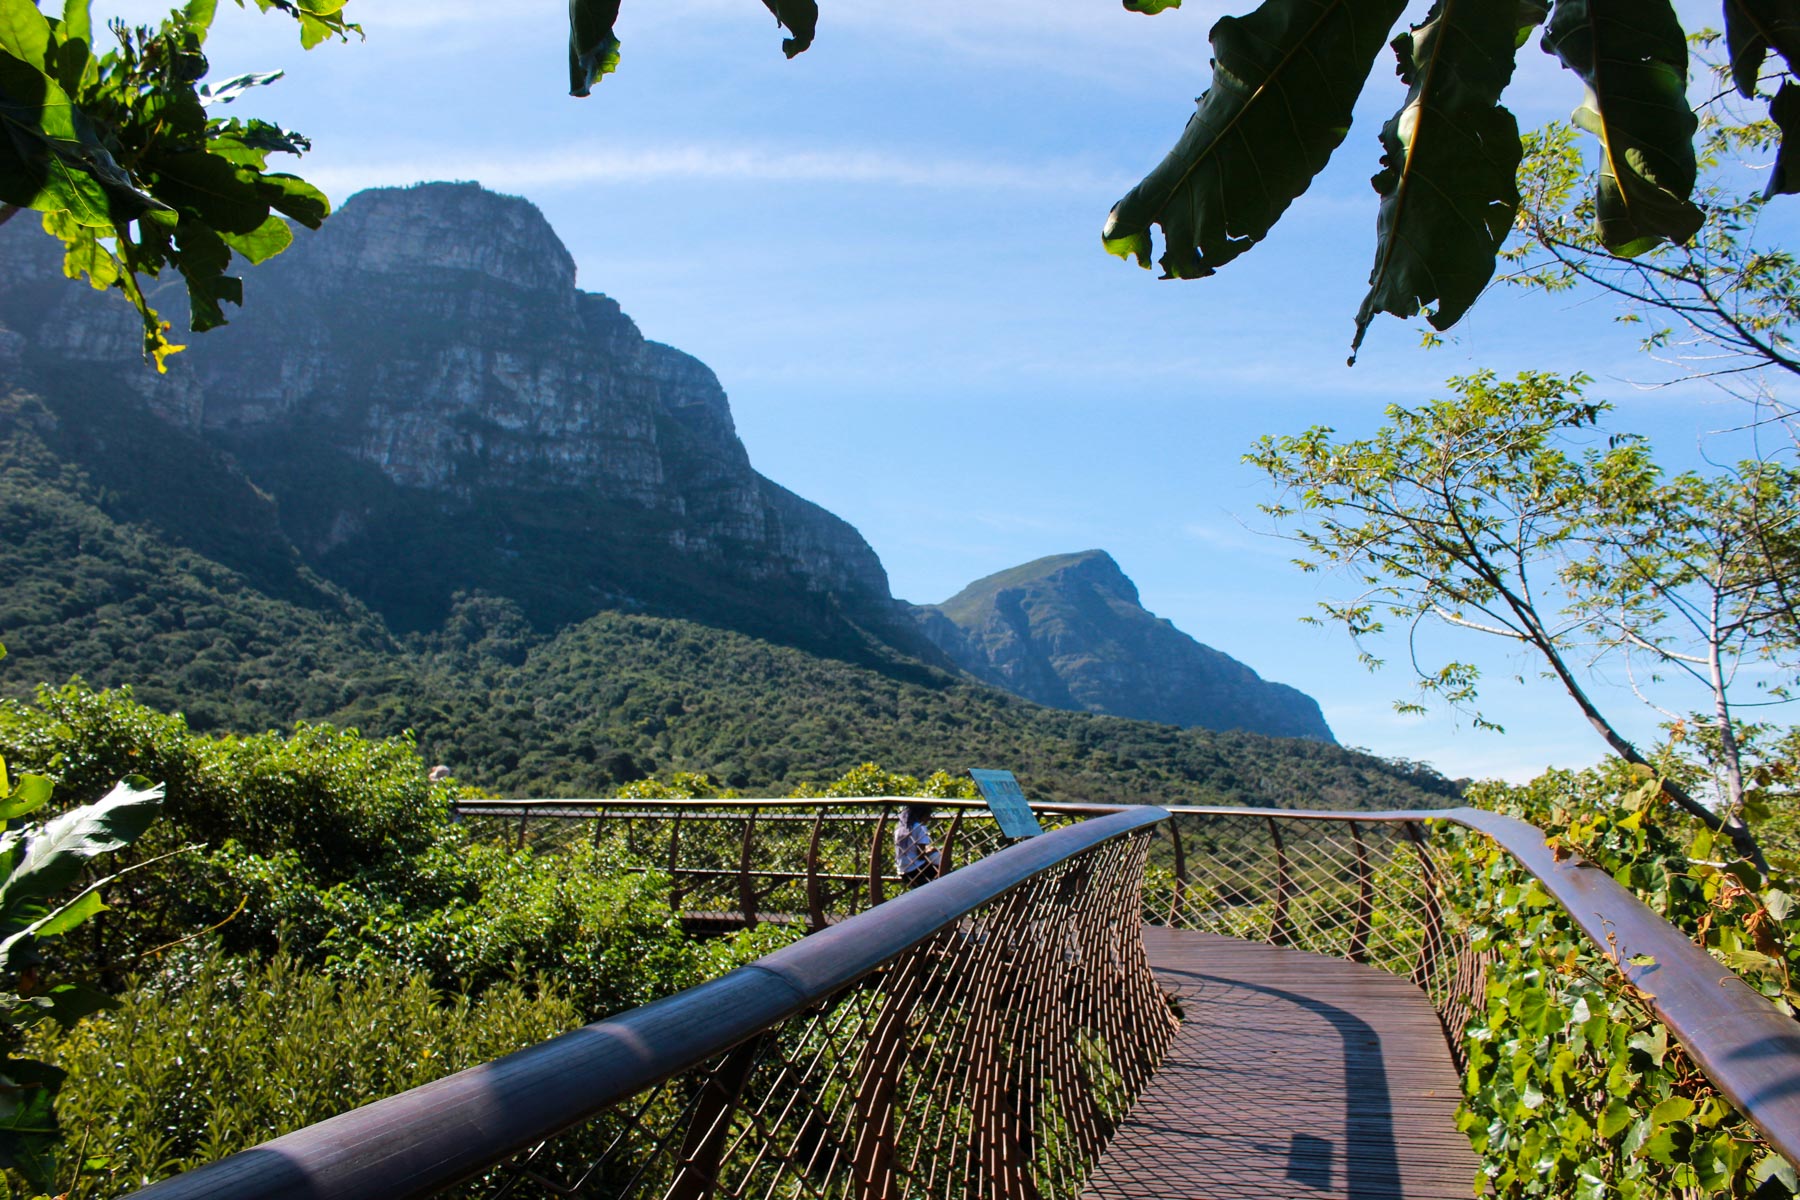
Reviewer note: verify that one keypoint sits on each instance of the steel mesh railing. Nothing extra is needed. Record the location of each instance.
(993, 1058)
(734, 863)
(981, 1037)
(1355, 885)
(1360, 886)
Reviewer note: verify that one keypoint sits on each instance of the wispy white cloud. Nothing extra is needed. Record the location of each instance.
(1238, 538)
(594, 164)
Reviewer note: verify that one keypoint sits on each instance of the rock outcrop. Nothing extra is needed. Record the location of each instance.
(417, 401)
(1070, 632)
(434, 406)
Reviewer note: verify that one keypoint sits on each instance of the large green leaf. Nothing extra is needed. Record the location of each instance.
(1752, 27)
(294, 197)
(50, 157)
(1784, 110)
(1449, 183)
(53, 856)
(211, 187)
(593, 50)
(798, 17)
(24, 32)
(1632, 55)
(1285, 78)
(32, 793)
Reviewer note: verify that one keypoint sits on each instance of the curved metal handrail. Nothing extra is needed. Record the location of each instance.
(433, 1136)
(1748, 1048)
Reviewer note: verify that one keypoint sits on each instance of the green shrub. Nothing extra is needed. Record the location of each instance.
(340, 802)
(1573, 1088)
(215, 1054)
(339, 849)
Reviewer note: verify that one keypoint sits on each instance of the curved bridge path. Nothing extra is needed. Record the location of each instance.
(1293, 1076)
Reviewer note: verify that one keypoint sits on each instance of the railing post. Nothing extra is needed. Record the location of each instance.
(1433, 943)
(876, 894)
(945, 865)
(674, 850)
(1176, 902)
(1279, 933)
(599, 817)
(524, 816)
(746, 890)
(815, 900)
(998, 1130)
(709, 1129)
(876, 1141)
(1365, 898)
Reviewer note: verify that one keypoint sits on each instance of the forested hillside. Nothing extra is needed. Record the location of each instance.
(146, 582)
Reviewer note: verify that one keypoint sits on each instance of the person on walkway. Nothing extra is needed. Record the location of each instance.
(914, 854)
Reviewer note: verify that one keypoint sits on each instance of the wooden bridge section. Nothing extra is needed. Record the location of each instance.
(1293, 1076)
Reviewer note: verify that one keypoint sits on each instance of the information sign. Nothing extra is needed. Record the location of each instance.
(1006, 800)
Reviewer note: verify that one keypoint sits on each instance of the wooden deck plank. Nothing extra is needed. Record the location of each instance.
(1294, 1077)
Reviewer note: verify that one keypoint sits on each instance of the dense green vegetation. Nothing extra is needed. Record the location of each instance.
(124, 583)
(213, 1054)
(310, 896)
(1573, 1088)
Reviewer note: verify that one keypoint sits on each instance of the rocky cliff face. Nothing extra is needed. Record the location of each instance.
(434, 406)
(1070, 632)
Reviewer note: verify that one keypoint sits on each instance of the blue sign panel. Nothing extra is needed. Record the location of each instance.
(1007, 802)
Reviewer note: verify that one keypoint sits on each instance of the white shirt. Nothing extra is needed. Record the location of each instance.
(912, 846)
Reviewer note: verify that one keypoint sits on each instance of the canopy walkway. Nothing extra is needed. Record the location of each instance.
(1142, 1002)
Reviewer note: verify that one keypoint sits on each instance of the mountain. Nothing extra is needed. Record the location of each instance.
(237, 631)
(1069, 631)
(431, 406)
(423, 483)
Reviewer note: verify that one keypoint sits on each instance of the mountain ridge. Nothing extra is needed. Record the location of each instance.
(1070, 631)
(420, 405)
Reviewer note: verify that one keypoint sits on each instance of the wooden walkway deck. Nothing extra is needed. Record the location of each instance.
(1293, 1076)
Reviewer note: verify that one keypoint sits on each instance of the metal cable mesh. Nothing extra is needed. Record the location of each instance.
(993, 1058)
(1366, 890)
(741, 864)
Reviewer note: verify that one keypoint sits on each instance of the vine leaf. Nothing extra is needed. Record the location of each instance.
(593, 50)
(1151, 7)
(798, 17)
(1450, 159)
(1632, 55)
(1285, 79)
(1752, 27)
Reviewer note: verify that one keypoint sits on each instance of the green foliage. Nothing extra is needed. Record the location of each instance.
(132, 173)
(213, 1054)
(594, 49)
(1633, 59)
(343, 803)
(204, 606)
(339, 848)
(1480, 512)
(1432, 241)
(1573, 1088)
(38, 865)
(1722, 306)
(1285, 78)
(869, 779)
(1450, 160)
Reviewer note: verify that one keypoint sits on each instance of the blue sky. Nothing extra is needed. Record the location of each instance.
(888, 249)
